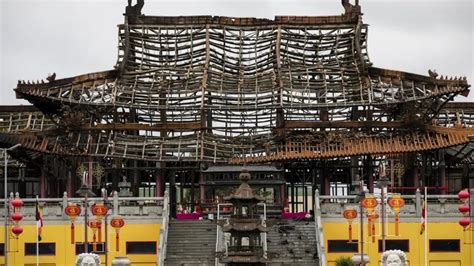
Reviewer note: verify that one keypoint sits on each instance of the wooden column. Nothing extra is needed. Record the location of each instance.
(192, 199)
(423, 170)
(117, 165)
(42, 184)
(172, 193)
(159, 185)
(442, 171)
(136, 178)
(202, 192)
(370, 174)
(69, 186)
(90, 173)
(416, 177)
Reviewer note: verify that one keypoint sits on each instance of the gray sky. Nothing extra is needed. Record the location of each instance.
(72, 37)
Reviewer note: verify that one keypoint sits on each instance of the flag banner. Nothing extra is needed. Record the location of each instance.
(423, 216)
(39, 220)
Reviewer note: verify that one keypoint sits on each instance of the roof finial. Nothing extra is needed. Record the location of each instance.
(350, 8)
(136, 10)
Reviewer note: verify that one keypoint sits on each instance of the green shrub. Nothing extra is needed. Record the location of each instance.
(344, 261)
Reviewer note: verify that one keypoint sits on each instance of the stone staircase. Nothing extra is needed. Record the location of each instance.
(292, 242)
(191, 243)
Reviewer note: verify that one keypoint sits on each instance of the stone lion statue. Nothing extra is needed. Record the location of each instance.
(394, 257)
(87, 259)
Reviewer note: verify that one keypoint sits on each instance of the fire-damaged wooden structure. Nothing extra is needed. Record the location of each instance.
(296, 94)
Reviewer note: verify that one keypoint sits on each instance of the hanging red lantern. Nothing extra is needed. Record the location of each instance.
(463, 208)
(94, 225)
(350, 214)
(396, 202)
(373, 218)
(16, 217)
(99, 210)
(17, 230)
(463, 195)
(117, 222)
(72, 210)
(464, 222)
(369, 202)
(16, 203)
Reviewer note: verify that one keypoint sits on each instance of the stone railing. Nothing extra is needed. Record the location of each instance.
(164, 232)
(318, 226)
(127, 207)
(438, 205)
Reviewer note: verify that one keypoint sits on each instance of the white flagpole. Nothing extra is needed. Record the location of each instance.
(426, 226)
(37, 232)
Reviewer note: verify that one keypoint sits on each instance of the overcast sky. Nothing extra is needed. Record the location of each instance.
(72, 37)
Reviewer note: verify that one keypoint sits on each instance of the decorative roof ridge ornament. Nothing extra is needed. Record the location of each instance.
(350, 8)
(134, 11)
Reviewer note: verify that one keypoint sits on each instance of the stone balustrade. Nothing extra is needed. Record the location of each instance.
(445, 206)
(128, 207)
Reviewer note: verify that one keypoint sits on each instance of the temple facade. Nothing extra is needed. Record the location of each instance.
(193, 99)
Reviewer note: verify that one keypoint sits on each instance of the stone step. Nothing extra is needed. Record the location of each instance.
(191, 243)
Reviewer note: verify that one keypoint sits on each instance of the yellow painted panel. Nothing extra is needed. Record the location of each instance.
(65, 251)
(445, 263)
(411, 232)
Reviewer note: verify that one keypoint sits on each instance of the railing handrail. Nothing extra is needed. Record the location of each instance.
(319, 229)
(436, 196)
(216, 263)
(163, 231)
(137, 199)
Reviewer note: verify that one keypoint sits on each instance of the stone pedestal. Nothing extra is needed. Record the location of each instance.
(124, 188)
(121, 261)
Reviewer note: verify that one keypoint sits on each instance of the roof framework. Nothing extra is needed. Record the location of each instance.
(221, 89)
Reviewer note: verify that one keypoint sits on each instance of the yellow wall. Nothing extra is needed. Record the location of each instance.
(411, 232)
(65, 251)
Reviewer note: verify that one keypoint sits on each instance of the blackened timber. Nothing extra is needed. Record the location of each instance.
(18, 108)
(139, 126)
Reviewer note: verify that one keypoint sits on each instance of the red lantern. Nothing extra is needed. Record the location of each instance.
(72, 210)
(463, 195)
(17, 230)
(350, 214)
(94, 225)
(99, 210)
(396, 202)
(16, 203)
(463, 208)
(369, 202)
(117, 223)
(17, 217)
(373, 217)
(464, 222)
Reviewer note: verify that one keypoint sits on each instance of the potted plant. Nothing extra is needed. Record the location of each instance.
(344, 261)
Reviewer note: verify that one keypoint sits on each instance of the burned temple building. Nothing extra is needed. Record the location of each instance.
(192, 99)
